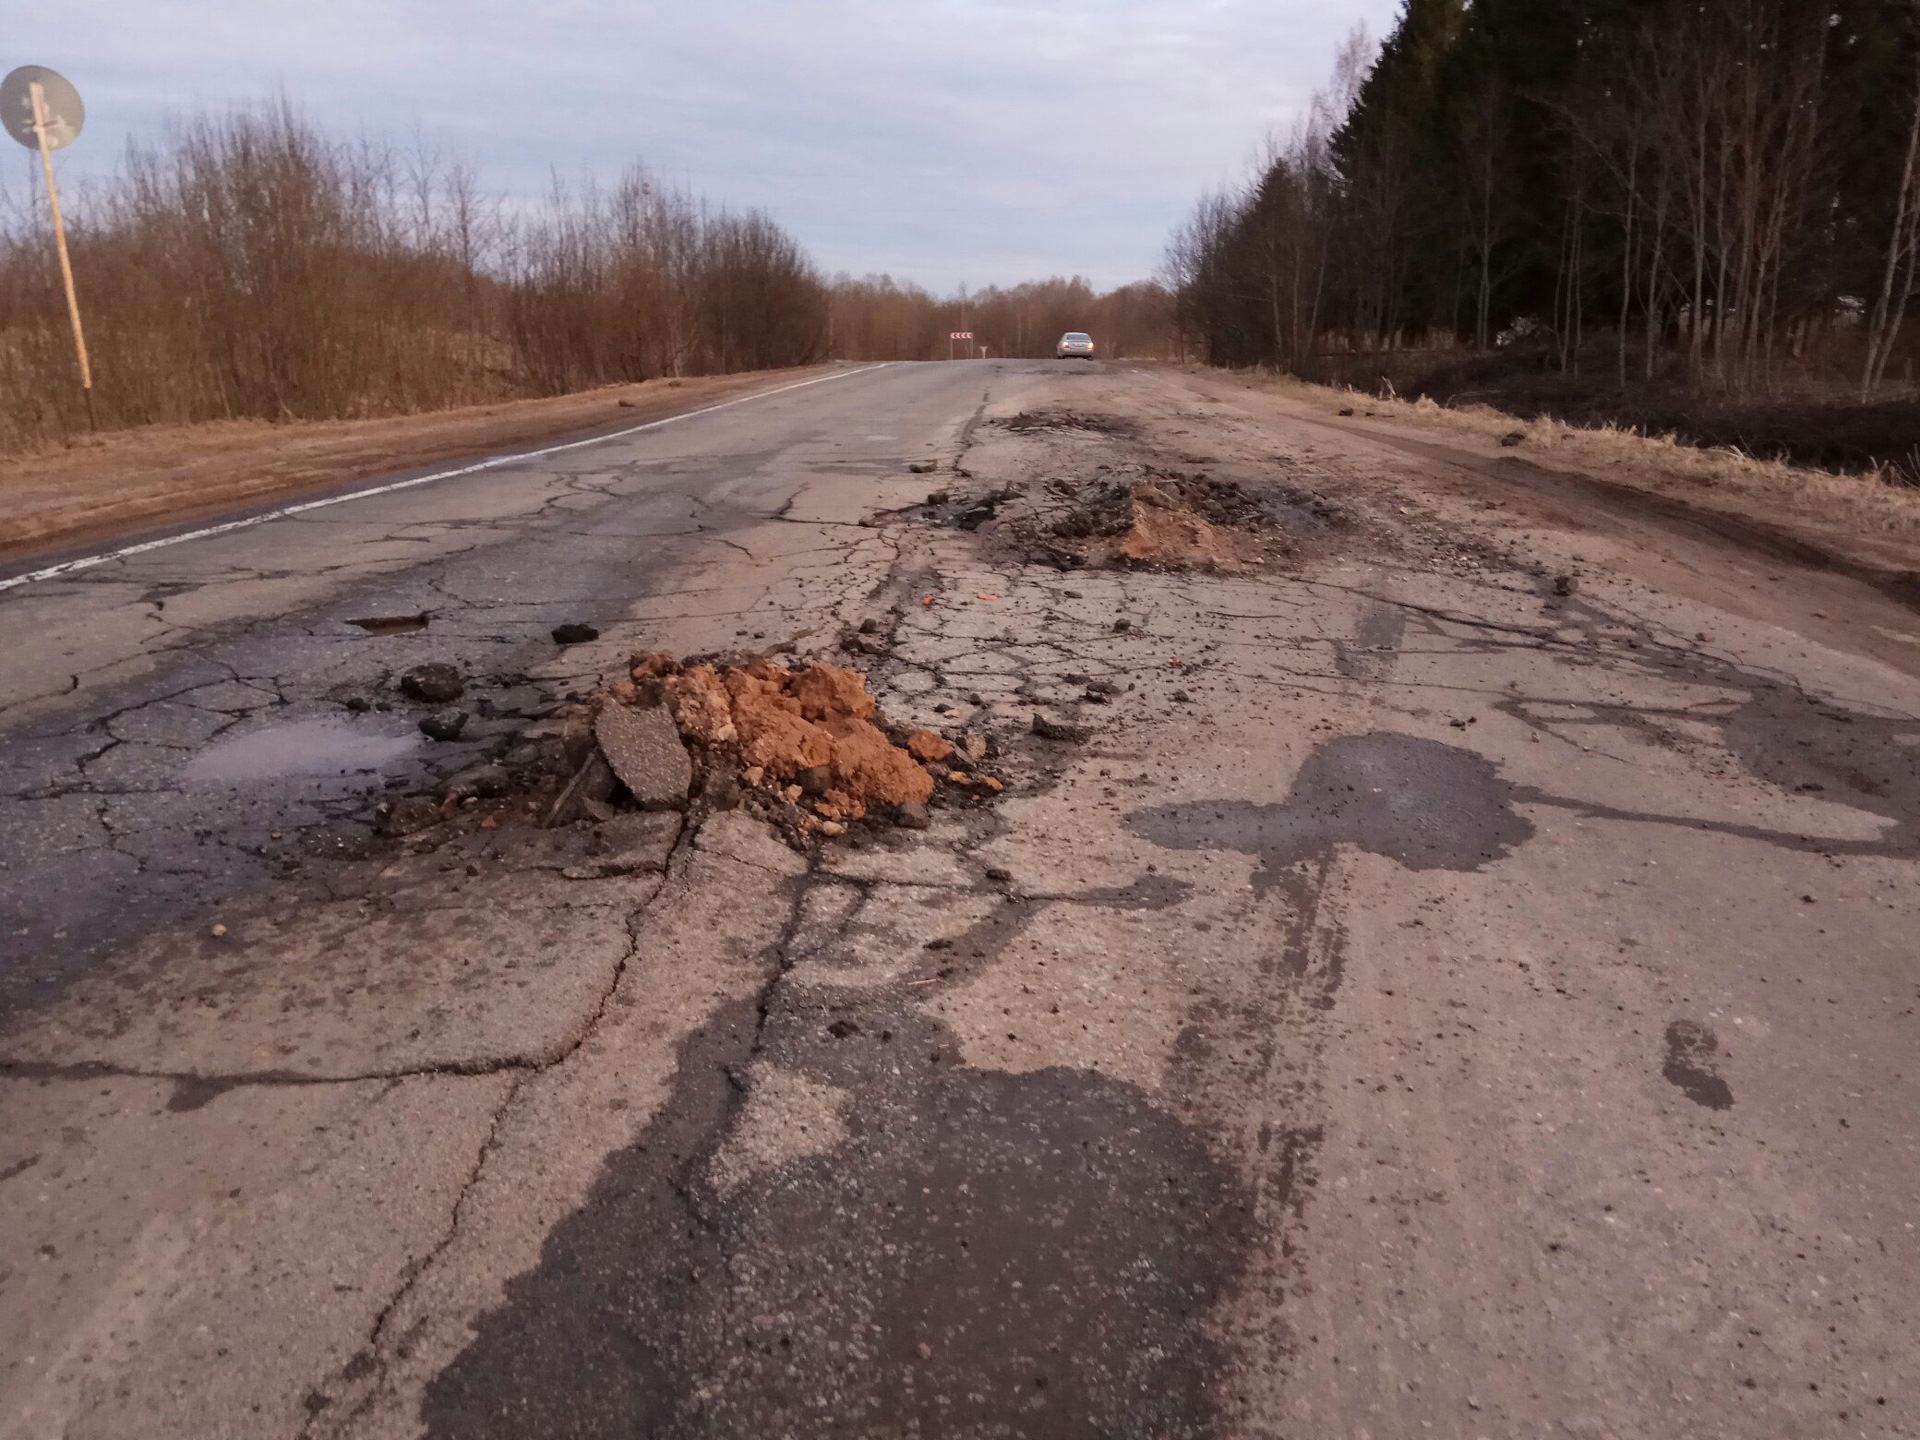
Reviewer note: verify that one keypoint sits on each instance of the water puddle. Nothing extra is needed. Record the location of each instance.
(1427, 805)
(322, 748)
(1690, 1065)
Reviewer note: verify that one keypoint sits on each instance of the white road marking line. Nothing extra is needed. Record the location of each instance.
(87, 562)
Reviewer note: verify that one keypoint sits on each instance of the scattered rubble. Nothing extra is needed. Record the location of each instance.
(1027, 422)
(610, 773)
(1146, 516)
(967, 512)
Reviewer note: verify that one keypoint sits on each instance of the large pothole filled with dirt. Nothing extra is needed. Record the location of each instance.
(806, 747)
(1147, 517)
(1030, 422)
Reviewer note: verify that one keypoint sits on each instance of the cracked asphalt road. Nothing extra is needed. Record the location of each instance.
(1424, 1003)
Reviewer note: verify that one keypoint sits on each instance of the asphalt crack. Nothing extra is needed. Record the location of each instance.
(374, 1358)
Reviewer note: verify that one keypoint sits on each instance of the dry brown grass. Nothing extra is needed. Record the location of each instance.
(1720, 478)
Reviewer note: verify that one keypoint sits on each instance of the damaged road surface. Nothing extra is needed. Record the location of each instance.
(1177, 921)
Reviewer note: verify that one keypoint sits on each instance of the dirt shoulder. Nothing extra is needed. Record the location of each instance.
(125, 480)
(1860, 524)
(1800, 550)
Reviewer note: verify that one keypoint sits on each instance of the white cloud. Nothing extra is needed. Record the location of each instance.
(941, 140)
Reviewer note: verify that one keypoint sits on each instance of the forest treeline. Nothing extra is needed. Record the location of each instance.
(249, 265)
(1722, 195)
(879, 319)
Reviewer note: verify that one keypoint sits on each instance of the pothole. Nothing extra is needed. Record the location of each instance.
(1149, 517)
(804, 748)
(1029, 422)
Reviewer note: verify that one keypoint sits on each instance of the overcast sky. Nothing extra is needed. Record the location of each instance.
(943, 141)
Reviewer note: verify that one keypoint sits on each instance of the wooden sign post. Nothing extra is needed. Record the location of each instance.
(60, 244)
(41, 109)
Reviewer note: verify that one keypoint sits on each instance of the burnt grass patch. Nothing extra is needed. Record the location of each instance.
(1842, 437)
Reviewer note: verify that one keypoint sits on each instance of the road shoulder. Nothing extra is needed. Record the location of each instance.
(107, 489)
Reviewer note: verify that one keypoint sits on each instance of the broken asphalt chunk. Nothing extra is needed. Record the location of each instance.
(644, 749)
(1058, 730)
(574, 632)
(443, 724)
(435, 682)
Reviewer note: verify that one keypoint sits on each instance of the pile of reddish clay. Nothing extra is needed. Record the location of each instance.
(1166, 532)
(804, 733)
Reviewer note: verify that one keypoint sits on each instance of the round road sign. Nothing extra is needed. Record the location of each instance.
(59, 104)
